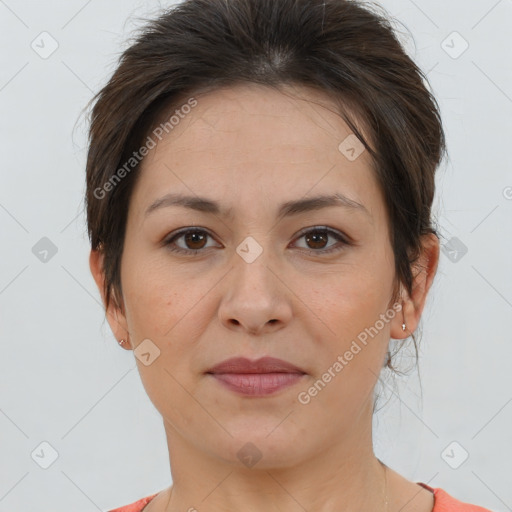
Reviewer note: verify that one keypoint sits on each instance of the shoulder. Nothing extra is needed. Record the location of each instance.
(137, 506)
(444, 502)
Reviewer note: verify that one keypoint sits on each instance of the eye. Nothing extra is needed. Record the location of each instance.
(318, 236)
(194, 239)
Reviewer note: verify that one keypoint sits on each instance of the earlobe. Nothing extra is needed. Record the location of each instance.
(115, 318)
(400, 325)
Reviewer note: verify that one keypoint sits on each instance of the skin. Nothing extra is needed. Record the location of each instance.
(252, 148)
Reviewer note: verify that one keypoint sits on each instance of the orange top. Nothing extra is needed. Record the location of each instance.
(135, 507)
(443, 502)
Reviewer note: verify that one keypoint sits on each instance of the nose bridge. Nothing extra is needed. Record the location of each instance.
(254, 296)
(252, 261)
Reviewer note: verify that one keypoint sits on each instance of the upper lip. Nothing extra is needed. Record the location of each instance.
(262, 365)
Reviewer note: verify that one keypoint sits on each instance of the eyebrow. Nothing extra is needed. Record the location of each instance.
(206, 205)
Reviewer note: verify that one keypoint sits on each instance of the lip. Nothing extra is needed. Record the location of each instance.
(262, 365)
(261, 377)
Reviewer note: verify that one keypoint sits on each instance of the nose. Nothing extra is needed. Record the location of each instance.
(256, 299)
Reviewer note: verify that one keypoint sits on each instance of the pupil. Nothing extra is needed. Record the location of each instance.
(316, 238)
(190, 238)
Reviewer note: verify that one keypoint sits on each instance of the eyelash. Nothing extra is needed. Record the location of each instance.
(317, 229)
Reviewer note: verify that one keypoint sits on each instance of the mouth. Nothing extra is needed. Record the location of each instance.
(262, 377)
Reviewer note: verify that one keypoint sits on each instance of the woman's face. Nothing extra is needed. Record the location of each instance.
(305, 284)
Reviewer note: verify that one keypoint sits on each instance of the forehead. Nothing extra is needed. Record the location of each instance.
(248, 138)
(244, 108)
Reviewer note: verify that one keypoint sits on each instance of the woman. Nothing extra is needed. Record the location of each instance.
(259, 186)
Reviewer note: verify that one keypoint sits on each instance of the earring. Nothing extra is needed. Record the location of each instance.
(403, 327)
(121, 342)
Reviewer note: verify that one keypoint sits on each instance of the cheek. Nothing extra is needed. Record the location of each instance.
(347, 310)
(160, 302)
(151, 296)
(149, 305)
(351, 351)
(356, 297)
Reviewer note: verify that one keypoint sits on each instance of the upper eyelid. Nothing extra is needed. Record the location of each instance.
(320, 227)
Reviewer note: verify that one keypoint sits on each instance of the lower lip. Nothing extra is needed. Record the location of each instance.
(257, 384)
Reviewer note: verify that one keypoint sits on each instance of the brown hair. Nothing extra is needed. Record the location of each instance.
(341, 47)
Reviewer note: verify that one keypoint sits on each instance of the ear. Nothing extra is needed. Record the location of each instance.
(424, 271)
(115, 317)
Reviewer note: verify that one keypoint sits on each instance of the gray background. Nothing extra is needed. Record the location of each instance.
(65, 381)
